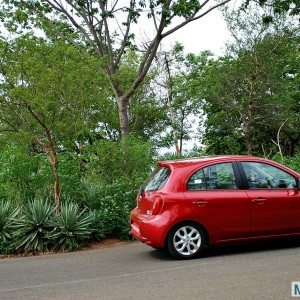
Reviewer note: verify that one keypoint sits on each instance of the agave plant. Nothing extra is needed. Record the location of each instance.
(72, 227)
(35, 226)
(8, 216)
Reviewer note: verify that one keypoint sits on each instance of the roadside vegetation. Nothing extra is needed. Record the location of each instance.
(82, 124)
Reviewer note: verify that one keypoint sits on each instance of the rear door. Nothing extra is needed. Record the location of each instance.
(219, 202)
(272, 194)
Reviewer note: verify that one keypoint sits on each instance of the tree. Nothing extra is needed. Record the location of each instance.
(47, 93)
(281, 6)
(108, 29)
(251, 93)
(178, 82)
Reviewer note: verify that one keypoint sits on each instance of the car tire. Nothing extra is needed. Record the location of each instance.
(186, 241)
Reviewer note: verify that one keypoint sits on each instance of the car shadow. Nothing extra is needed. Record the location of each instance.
(237, 249)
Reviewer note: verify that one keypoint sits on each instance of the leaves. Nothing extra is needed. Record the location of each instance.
(71, 227)
(248, 93)
(35, 226)
(8, 220)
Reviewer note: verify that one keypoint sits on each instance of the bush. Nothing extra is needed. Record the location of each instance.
(25, 173)
(72, 228)
(16, 171)
(292, 162)
(8, 215)
(117, 169)
(39, 229)
(35, 226)
(112, 204)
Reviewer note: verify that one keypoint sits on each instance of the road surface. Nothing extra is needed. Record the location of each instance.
(136, 271)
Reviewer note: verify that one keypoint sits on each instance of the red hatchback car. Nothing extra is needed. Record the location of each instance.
(186, 205)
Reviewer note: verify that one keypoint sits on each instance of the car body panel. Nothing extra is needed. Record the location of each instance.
(226, 212)
(272, 211)
(226, 215)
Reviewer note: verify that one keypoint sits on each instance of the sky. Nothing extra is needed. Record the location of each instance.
(207, 33)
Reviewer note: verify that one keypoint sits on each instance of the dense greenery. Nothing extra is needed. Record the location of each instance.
(35, 227)
(69, 170)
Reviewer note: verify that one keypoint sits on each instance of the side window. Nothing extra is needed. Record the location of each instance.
(197, 181)
(264, 176)
(215, 177)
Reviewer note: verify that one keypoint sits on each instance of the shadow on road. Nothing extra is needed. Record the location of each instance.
(264, 246)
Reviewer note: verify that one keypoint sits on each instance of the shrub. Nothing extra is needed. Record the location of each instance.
(116, 170)
(8, 215)
(71, 227)
(112, 204)
(292, 162)
(35, 226)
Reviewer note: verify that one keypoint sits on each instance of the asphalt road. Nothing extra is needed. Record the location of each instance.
(136, 271)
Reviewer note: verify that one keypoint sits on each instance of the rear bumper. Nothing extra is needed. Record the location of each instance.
(150, 230)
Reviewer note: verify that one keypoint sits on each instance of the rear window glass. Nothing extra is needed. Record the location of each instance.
(157, 179)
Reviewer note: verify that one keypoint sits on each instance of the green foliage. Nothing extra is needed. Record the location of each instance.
(185, 8)
(72, 227)
(8, 222)
(25, 174)
(253, 91)
(292, 162)
(116, 170)
(112, 204)
(282, 6)
(111, 160)
(52, 75)
(50, 87)
(8, 219)
(35, 226)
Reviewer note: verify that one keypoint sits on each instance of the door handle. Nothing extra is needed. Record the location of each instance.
(200, 202)
(259, 200)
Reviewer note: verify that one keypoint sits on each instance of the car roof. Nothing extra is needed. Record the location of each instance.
(200, 160)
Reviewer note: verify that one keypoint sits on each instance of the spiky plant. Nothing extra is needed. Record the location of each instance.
(72, 227)
(35, 226)
(8, 218)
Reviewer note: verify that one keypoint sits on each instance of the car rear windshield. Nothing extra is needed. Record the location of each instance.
(157, 179)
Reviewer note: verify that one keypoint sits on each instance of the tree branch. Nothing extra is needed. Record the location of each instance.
(148, 56)
(62, 10)
(108, 39)
(194, 17)
(125, 39)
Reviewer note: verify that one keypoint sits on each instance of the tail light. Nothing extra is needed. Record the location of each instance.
(157, 205)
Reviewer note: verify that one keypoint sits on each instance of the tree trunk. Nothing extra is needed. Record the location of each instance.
(56, 190)
(51, 153)
(123, 117)
(52, 157)
(169, 84)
